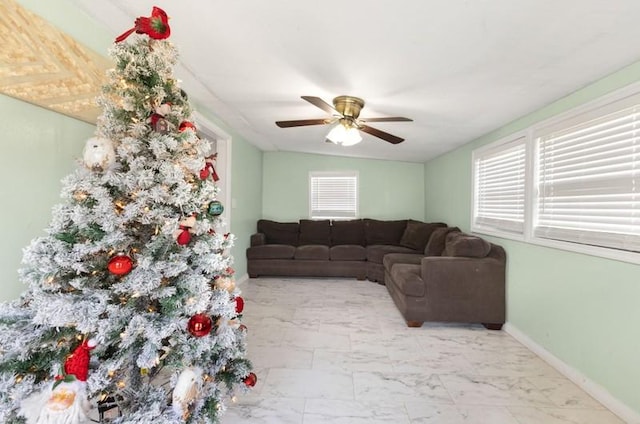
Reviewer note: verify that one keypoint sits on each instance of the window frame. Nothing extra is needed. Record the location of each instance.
(503, 144)
(334, 174)
(581, 113)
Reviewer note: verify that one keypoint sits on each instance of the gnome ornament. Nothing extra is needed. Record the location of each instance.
(186, 391)
(65, 401)
(183, 234)
(158, 121)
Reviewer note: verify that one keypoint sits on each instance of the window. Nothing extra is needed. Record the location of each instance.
(499, 186)
(588, 178)
(571, 182)
(333, 195)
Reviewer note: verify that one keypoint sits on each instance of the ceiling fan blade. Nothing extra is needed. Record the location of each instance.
(387, 119)
(302, 122)
(381, 134)
(318, 102)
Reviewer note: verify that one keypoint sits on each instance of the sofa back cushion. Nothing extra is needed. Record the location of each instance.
(417, 234)
(383, 232)
(461, 244)
(279, 232)
(435, 245)
(347, 232)
(315, 232)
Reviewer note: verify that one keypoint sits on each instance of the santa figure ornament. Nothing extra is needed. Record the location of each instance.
(65, 401)
(209, 168)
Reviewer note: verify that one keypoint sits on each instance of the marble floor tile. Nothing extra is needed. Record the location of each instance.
(338, 351)
(509, 364)
(265, 411)
(398, 341)
(393, 386)
(490, 390)
(318, 384)
(331, 360)
(565, 393)
(563, 416)
(424, 413)
(321, 411)
(280, 357)
(431, 361)
(307, 339)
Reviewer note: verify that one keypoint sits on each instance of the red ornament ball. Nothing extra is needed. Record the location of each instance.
(204, 173)
(184, 125)
(250, 380)
(243, 327)
(239, 305)
(184, 237)
(120, 265)
(200, 325)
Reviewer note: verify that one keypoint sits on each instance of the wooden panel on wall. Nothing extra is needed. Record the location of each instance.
(41, 65)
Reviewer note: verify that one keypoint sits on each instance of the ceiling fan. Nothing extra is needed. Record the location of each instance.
(345, 111)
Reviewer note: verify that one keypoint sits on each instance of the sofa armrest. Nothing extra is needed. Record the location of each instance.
(462, 285)
(258, 239)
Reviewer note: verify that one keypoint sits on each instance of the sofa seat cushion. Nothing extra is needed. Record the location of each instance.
(376, 252)
(406, 277)
(271, 251)
(314, 252)
(348, 252)
(390, 259)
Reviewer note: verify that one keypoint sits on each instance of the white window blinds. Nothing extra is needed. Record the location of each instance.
(333, 195)
(588, 178)
(499, 187)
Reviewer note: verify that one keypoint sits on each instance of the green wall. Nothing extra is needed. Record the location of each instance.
(387, 189)
(583, 309)
(246, 194)
(39, 148)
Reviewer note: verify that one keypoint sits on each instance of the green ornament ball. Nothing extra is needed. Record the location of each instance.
(215, 208)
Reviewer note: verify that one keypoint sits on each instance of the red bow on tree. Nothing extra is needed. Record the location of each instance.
(156, 26)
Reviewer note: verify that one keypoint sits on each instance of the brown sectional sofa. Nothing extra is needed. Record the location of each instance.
(353, 248)
(432, 272)
(464, 282)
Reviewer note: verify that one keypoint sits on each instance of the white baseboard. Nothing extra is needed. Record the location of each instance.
(595, 390)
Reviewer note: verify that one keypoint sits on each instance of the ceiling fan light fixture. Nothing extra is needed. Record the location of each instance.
(344, 136)
(346, 110)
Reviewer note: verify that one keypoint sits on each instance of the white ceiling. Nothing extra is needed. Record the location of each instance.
(458, 68)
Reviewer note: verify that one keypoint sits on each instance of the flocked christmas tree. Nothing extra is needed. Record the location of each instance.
(131, 313)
